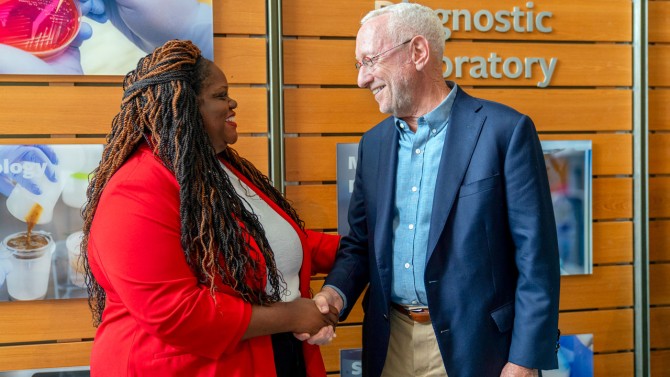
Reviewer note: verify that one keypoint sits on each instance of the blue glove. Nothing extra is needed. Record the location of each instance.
(14, 156)
(93, 9)
(150, 23)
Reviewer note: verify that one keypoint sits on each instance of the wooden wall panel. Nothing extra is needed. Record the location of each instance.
(659, 153)
(621, 364)
(317, 204)
(612, 155)
(659, 65)
(239, 17)
(568, 109)
(37, 356)
(331, 62)
(659, 19)
(659, 241)
(347, 110)
(660, 331)
(313, 158)
(660, 363)
(256, 150)
(612, 198)
(612, 242)
(87, 110)
(595, 20)
(607, 287)
(659, 285)
(659, 197)
(242, 59)
(48, 320)
(612, 329)
(659, 116)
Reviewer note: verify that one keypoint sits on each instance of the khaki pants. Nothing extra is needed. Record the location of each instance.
(413, 349)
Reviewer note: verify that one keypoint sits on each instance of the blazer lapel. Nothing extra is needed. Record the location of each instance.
(388, 161)
(462, 133)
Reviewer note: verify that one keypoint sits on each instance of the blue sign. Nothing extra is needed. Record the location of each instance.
(350, 362)
(347, 155)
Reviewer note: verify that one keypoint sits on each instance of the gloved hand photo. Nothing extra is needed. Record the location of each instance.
(13, 156)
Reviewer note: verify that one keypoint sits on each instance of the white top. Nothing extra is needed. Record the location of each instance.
(281, 236)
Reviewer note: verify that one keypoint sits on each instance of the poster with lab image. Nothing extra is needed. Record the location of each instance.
(569, 171)
(42, 192)
(575, 357)
(75, 37)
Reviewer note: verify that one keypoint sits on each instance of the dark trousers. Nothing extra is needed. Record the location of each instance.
(289, 359)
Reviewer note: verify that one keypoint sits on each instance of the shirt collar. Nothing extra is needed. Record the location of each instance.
(437, 117)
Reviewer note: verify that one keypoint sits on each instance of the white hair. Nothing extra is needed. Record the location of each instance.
(407, 20)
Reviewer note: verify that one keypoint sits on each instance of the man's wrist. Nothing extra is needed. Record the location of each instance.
(334, 297)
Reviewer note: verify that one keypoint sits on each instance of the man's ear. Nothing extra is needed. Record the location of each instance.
(420, 52)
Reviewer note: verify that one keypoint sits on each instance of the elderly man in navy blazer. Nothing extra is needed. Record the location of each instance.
(452, 227)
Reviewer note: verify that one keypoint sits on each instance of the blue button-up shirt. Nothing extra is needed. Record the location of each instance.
(419, 157)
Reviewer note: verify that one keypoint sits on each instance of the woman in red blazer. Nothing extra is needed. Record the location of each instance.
(196, 265)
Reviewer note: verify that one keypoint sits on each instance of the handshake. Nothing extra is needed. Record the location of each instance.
(318, 318)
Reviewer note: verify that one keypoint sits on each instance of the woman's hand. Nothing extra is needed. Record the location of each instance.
(308, 318)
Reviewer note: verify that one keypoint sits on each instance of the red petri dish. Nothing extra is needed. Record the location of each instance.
(42, 27)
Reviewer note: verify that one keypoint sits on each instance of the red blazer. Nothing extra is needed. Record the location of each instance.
(158, 321)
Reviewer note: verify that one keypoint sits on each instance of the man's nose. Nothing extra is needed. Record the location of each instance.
(364, 77)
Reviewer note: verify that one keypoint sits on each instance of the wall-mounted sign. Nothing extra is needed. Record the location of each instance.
(524, 18)
(44, 190)
(347, 155)
(350, 362)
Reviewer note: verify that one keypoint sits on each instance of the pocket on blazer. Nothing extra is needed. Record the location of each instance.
(504, 317)
(479, 186)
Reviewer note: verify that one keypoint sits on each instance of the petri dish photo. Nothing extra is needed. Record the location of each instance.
(44, 28)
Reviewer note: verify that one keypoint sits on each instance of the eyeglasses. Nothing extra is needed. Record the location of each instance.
(369, 61)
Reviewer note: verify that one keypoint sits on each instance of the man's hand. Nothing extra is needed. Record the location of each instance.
(328, 300)
(513, 370)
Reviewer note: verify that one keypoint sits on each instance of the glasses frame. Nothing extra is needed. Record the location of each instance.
(370, 61)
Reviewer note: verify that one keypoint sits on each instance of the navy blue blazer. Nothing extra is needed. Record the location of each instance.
(492, 270)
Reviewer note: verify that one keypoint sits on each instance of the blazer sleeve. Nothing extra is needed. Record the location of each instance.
(136, 241)
(532, 224)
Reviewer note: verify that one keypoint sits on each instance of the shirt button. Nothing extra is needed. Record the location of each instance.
(402, 126)
(414, 189)
(418, 151)
(414, 302)
(411, 226)
(434, 130)
(407, 265)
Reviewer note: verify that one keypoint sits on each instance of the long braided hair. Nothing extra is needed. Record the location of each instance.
(160, 105)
